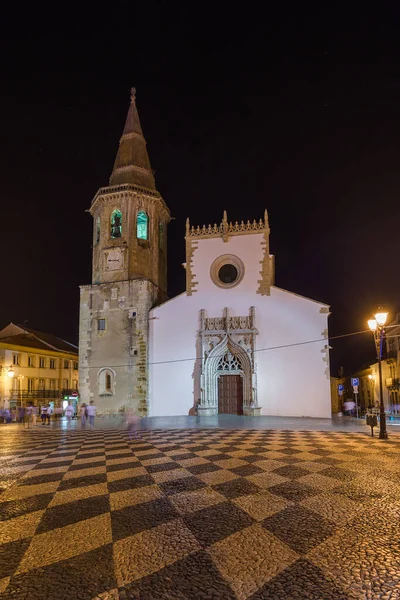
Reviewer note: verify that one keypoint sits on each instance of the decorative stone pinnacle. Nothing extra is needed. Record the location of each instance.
(133, 95)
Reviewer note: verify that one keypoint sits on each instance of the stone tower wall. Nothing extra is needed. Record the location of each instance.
(122, 347)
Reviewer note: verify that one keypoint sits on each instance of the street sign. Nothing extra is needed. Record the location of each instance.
(340, 387)
(355, 381)
(355, 389)
(74, 394)
(340, 392)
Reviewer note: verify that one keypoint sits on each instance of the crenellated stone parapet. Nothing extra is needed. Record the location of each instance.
(226, 228)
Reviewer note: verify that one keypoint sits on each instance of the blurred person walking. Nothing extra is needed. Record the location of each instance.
(91, 411)
(28, 416)
(133, 423)
(43, 414)
(83, 415)
(69, 413)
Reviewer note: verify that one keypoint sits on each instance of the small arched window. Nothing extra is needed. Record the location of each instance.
(116, 224)
(106, 382)
(161, 236)
(142, 225)
(97, 230)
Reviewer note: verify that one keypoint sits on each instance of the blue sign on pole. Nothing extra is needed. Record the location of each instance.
(355, 381)
(340, 387)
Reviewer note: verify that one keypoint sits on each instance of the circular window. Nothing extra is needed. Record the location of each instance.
(228, 274)
(227, 271)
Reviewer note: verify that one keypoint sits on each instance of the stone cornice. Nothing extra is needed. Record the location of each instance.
(127, 189)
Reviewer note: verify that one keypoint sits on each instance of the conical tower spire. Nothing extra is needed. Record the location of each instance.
(132, 164)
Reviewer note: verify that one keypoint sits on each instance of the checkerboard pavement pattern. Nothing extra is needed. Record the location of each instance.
(198, 514)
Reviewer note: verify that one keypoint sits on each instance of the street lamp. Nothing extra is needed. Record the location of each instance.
(377, 326)
(9, 371)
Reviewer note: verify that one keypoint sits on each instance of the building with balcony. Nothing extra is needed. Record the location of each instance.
(36, 367)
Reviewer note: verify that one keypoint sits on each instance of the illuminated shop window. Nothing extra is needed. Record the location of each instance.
(142, 225)
(116, 224)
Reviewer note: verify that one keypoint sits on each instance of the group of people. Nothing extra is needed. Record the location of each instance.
(87, 413)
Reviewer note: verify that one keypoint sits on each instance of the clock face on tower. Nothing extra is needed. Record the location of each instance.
(114, 259)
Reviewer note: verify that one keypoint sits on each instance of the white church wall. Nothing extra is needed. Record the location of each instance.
(246, 247)
(291, 381)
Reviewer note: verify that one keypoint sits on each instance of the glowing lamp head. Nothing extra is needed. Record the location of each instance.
(10, 372)
(372, 324)
(381, 318)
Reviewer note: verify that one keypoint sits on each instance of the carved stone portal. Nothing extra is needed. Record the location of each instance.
(227, 346)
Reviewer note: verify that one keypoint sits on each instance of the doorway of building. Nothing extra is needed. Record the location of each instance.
(230, 394)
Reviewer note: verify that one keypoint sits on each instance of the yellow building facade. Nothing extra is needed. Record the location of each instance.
(36, 367)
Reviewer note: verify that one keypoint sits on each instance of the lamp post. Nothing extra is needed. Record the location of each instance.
(20, 380)
(377, 326)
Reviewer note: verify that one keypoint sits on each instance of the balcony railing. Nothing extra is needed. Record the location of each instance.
(392, 382)
(40, 394)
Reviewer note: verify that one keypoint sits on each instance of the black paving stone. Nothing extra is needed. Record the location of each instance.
(291, 471)
(129, 483)
(192, 578)
(170, 466)
(97, 462)
(151, 456)
(27, 462)
(196, 448)
(299, 528)
(187, 484)
(253, 459)
(79, 578)
(111, 456)
(79, 510)
(217, 522)
(89, 455)
(327, 460)
(246, 470)
(289, 451)
(236, 487)
(205, 468)
(123, 466)
(17, 508)
(68, 484)
(341, 474)
(10, 556)
(300, 581)
(216, 457)
(132, 519)
(259, 450)
(35, 479)
(293, 490)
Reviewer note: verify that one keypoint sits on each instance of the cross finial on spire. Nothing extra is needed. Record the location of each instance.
(133, 95)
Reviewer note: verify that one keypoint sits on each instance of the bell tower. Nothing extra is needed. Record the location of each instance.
(129, 277)
(130, 217)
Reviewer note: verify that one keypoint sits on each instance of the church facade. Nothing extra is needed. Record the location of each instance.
(233, 342)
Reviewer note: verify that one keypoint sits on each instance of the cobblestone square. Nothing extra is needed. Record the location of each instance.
(215, 514)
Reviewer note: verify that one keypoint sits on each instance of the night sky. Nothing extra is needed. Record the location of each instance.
(296, 112)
